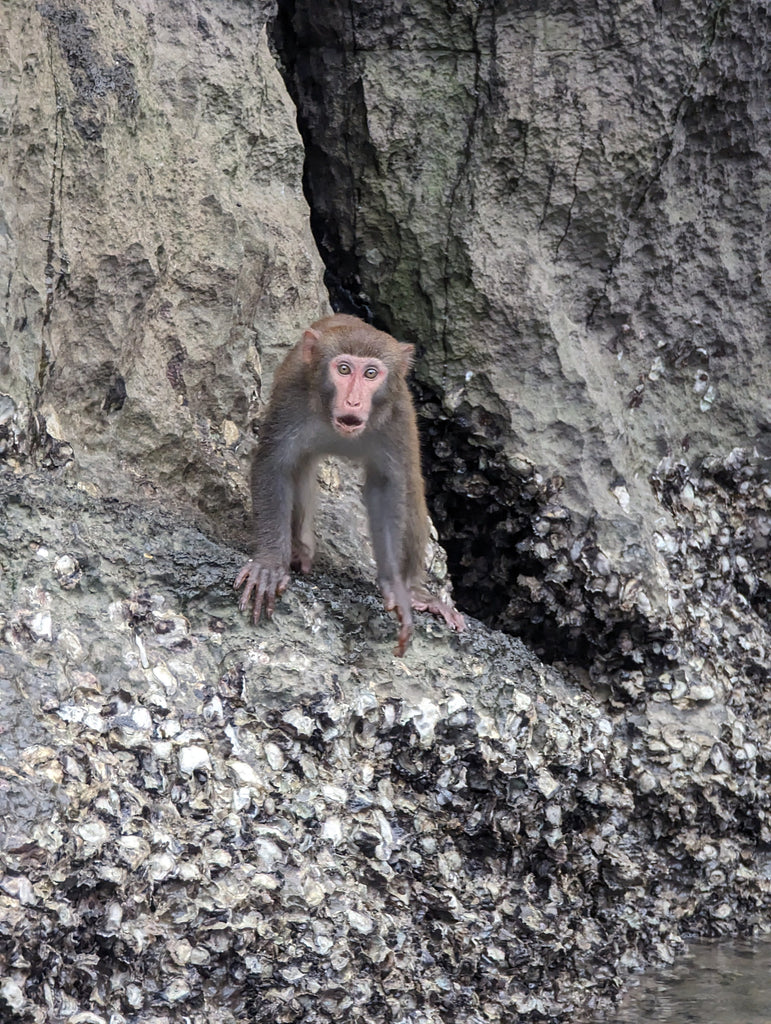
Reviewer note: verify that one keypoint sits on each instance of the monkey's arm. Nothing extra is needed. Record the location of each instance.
(385, 498)
(266, 576)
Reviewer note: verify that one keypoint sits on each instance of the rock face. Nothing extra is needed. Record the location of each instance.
(204, 821)
(155, 244)
(567, 211)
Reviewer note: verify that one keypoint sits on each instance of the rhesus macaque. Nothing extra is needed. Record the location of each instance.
(341, 391)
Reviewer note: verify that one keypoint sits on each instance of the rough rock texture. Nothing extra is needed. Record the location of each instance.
(566, 207)
(200, 821)
(204, 823)
(154, 241)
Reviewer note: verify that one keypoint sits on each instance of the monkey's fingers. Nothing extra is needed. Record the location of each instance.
(238, 582)
(261, 587)
(259, 597)
(253, 594)
(451, 616)
(247, 576)
(275, 583)
(400, 603)
(456, 620)
(422, 601)
(272, 584)
(403, 638)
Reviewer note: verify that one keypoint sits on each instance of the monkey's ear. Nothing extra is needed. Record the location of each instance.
(310, 345)
(407, 353)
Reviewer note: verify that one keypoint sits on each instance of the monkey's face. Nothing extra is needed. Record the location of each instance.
(355, 382)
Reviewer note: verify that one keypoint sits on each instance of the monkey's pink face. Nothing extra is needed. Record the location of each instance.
(356, 381)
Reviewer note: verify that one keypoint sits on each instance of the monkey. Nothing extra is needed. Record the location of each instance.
(341, 390)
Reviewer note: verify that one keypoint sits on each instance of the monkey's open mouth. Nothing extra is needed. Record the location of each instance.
(348, 424)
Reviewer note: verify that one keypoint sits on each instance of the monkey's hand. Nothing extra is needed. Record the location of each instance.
(302, 556)
(396, 598)
(422, 601)
(263, 582)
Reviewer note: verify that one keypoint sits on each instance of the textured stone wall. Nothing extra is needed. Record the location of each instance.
(206, 820)
(566, 208)
(155, 242)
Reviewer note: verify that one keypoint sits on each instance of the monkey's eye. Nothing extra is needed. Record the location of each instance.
(344, 369)
(371, 372)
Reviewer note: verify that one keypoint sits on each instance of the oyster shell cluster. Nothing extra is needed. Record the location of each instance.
(206, 822)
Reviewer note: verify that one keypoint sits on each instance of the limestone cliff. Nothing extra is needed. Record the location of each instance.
(155, 248)
(564, 208)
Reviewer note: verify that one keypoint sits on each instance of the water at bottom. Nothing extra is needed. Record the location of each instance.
(713, 983)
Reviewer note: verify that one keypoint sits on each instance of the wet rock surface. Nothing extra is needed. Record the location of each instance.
(204, 820)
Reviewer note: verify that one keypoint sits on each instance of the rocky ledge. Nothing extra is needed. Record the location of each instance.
(207, 821)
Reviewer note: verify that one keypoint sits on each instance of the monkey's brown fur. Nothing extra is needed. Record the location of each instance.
(342, 391)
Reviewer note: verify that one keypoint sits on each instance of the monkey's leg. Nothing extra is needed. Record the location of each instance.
(303, 508)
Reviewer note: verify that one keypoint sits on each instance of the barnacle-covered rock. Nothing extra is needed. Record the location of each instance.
(291, 823)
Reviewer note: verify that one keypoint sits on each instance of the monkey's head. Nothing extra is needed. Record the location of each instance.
(360, 371)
